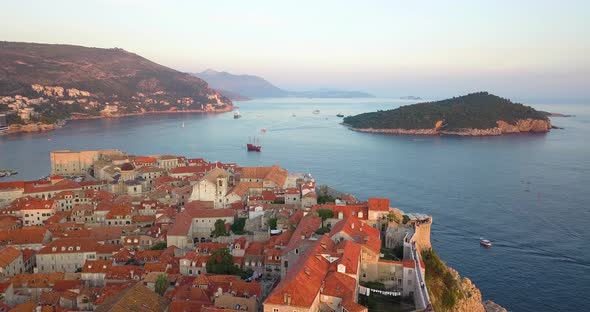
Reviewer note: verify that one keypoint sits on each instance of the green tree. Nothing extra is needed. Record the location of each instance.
(220, 229)
(272, 223)
(322, 199)
(238, 226)
(392, 217)
(159, 246)
(406, 219)
(161, 284)
(325, 214)
(221, 261)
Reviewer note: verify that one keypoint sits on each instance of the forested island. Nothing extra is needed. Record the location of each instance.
(475, 114)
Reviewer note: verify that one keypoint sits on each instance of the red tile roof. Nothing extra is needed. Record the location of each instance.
(188, 169)
(8, 255)
(304, 279)
(27, 235)
(339, 285)
(16, 185)
(350, 256)
(69, 245)
(307, 227)
(359, 232)
(378, 204)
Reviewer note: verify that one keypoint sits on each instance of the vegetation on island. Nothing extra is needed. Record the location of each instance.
(478, 110)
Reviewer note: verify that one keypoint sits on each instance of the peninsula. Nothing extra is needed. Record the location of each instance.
(174, 233)
(475, 114)
(42, 85)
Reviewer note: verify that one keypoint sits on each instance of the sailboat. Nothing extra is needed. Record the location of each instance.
(253, 145)
(183, 124)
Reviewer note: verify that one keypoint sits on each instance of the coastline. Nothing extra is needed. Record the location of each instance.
(523, 126)
(40, 127)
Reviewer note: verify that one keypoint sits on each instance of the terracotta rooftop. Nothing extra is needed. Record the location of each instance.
(302, 283)
(379, 204)
(22, 236)
(306, 228)
(136, 298)
(359, 232)
(8, 255)
(36, 280)
(69, 245)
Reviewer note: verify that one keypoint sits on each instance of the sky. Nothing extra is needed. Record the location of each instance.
(518, 49)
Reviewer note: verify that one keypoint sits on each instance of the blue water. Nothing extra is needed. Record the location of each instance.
(529, 194)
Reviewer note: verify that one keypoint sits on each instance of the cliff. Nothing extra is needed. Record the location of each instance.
(476, 114)
(449, 292)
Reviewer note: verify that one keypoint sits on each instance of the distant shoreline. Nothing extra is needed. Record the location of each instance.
(40, 127)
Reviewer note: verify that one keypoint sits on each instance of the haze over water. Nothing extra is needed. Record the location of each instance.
(526, 193)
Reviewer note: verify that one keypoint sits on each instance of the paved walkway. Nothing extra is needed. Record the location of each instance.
(422, 297)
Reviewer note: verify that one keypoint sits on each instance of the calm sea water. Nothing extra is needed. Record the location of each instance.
(529, 194)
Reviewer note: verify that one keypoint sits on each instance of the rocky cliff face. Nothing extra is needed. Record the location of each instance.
(471, 302)
(521, 126)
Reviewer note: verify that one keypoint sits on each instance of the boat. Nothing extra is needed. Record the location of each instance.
(316, 111)
(237, 115)
(340, 115)
(263, 130)
(254, 145)
(294, 115)
(183, 124)
(7, 173)
(485, 242)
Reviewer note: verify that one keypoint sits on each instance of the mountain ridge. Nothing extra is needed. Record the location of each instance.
(251, 86)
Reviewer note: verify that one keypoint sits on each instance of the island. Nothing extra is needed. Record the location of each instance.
(411, 98)
(475, 114)
(44, 85)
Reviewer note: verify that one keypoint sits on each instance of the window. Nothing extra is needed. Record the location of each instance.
(275, 310)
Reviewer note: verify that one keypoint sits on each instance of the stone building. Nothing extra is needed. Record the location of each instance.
(66, 255)
(71, 163)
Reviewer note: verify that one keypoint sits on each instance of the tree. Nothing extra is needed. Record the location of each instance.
(272, 223)
(406, 219)
(221, 261)
(238, 226)
(322, 199)
(325, 214)
(392, 217)
(161, 284)
(159, 246)
(220, 229)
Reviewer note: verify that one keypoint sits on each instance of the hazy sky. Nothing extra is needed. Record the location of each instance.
(519, 49)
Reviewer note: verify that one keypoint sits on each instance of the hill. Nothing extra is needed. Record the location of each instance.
(243, 85)
(249, 86)
(473, 114)
(54, 81)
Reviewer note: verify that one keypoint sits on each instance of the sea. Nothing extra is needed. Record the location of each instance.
(528, 194)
